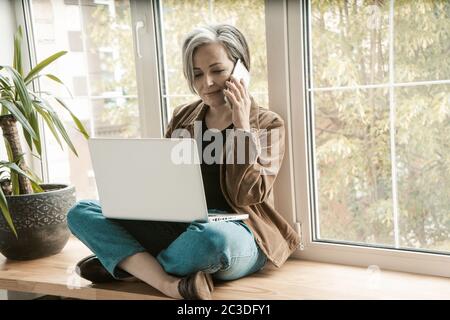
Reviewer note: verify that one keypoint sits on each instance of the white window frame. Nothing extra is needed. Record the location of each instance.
(147, 67)
(287, 97)
(280, 102)
(146, 64)
(348, 254)
(23, 18)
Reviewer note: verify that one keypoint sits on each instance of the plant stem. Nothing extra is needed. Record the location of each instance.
(11, 134)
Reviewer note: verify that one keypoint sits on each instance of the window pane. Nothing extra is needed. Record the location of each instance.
(350, 42)
(353, 166)
(422, 40)
(375, 185)
(98, 70)
(201, 12)
(423, 166)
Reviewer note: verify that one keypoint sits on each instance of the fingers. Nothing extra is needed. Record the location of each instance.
(244, 89)
(234, 89)
(230, 95)
(238, 88)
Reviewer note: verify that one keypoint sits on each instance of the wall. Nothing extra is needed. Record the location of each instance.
(7, 26)
(7, 29)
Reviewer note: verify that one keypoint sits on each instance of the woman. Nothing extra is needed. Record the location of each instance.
(180, 259)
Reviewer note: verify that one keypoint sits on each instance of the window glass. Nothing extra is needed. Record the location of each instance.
(99, 72)
(379, 93)
(180, 17)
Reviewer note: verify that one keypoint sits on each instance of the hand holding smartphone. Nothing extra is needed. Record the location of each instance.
(240, 72)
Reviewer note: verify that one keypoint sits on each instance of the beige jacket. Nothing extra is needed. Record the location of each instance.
(247, 186)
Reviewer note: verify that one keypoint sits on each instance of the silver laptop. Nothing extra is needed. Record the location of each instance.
(151, 179)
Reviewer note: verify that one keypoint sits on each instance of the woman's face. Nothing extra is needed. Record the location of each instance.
(212, 68)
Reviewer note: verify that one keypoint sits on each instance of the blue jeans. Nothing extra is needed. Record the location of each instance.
(225, 249)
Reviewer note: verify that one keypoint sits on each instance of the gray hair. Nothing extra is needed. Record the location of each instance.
(229, 36)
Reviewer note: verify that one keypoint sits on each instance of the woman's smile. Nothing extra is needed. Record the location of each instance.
(212, 94)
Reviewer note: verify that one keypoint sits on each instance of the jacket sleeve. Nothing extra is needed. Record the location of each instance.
(250, 180)
(173, 121)
(169, 128)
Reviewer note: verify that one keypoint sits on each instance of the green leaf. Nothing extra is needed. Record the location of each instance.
(35, 182)
(15, 167)
(11, 107)
(34, 177)
(49, 122)
(6, 213)
(13, 175)
(21, 90)
(59, 125)
(44, 63)
(52, 77)
(77, 121)
(62, 131)
(5, 87)
(35, 125)
(28, 139)
(36, 187)
(74, 118)
(28, 174)
(36, 156)
(17, 64)
(8, 150)
(6, 92)
(4, 81)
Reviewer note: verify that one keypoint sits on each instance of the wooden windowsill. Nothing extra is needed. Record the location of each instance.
(297, 279)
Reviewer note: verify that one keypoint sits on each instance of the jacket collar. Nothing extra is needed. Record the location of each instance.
(199, 112)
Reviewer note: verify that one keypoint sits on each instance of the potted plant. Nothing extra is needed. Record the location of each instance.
(33, 221)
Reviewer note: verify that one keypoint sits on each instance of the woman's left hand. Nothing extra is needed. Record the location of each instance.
(239, 98)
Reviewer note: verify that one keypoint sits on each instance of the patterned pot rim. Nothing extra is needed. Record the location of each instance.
(61, 187)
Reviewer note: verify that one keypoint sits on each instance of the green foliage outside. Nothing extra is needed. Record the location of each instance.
(350, 46)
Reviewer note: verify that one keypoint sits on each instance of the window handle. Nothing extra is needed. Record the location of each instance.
(139, 26)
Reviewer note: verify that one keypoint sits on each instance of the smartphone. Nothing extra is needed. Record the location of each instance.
(240, 72)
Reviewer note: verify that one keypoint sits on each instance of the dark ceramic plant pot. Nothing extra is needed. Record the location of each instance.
(40, 220)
